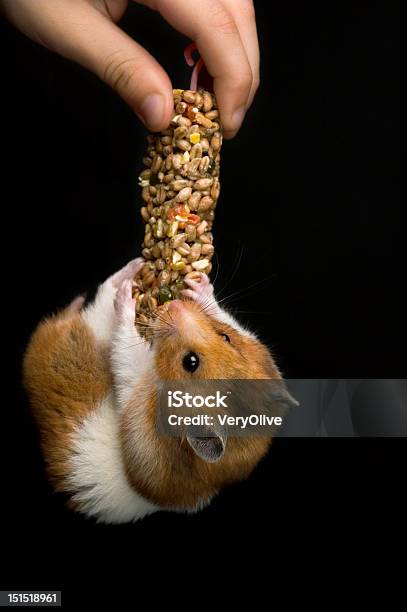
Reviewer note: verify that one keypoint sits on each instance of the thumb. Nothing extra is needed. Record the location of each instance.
(84, 34)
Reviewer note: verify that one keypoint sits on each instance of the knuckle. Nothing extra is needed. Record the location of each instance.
(119, 71)
(220, 19)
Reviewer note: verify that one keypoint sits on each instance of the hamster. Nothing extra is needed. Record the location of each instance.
(90, 376)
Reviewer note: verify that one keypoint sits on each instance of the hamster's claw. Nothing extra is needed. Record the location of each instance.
(201, 292)
(128, 272)
(124, 304)
(203, 281)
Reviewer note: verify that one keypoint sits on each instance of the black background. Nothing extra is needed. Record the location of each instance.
(311, 202)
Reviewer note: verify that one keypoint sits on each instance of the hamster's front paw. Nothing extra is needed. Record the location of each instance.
(201, 292)
(124, 304)
(128, 272)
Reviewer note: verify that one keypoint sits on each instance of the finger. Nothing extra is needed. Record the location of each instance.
(216, 34)
(82, 33)
(188, 293)
(245, 17)
(191, 283)
(204, 280)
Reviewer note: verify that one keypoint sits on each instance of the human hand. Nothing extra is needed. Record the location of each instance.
(85, 31)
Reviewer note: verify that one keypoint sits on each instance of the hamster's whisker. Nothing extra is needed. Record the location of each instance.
(235, 268)
(209, 300)
(245, 289)
(163, 320)
(259, 312)
(134, 344)
(144, 340)
(172, 323)
(172, 320)
(217, 268)
(145, 327)
(206, 306)
(208, 303)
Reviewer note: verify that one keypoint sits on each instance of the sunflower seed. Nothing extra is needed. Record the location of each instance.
(203, 184)
(207, 102)
(189, 96)
(205, 204)
(184, 194)
(201, 264)
(194, 200)
(156, 165)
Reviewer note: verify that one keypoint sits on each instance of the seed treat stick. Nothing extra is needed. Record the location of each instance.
(180, 188)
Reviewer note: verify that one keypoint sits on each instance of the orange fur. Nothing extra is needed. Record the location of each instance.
(178, 478)
(243, 358)
(66, 377)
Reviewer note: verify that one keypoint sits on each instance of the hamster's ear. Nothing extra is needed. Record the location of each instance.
(207, 443)
(278, 393)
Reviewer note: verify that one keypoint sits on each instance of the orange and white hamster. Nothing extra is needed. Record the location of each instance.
(90, 377)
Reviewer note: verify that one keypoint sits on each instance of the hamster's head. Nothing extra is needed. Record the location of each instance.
(189, 344)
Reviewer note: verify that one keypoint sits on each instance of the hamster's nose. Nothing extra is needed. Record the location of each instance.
(176, 307)
(183, 320)
(180, 314)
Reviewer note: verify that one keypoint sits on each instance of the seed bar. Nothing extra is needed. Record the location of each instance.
(180, 188)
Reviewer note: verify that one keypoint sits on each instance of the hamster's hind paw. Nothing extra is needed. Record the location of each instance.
(127, 273)
(74, 307)
(200, 291)
(77, 304)
(124, 304)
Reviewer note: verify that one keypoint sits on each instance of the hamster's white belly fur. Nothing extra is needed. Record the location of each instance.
(98, 476)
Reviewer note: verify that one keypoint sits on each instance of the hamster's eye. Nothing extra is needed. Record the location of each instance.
(225, 337)
(190, 363)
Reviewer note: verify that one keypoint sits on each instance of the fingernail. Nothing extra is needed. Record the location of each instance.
(152, 110)
(237, 117)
